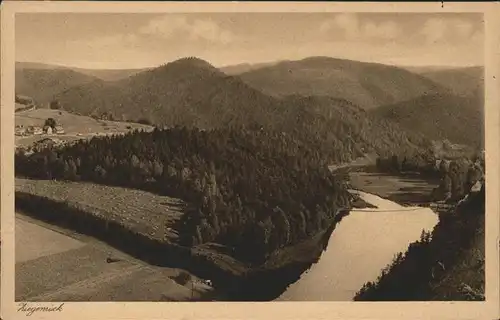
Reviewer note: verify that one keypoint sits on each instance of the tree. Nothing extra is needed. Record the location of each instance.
(55, 105)
(50, 122)
(282, 225)
(157, 169)
(134, 161)
(144, 121)
(72, 171)
(447, 186)
(473, 175)
(396, 165)
(100, 172)
(443, 167)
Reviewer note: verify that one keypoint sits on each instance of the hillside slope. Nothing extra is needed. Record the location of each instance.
(445, 265)
(110, 74)
(185, 92)
(440, 117)
(191, 92)
(460, 81)
(75, 127)
(368, 85)
(237, 69)
(43, 84)
(103, 74)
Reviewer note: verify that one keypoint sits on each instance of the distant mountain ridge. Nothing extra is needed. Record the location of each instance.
(237, 69)
(187, 91)
(352, 80)
(103, 74)
(191, 92)
(43, 84)
(368, 85)
(468, 81)
(441, 117)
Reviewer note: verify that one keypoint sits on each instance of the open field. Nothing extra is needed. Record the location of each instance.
(30, 237)
(403, 190)
(54, 264)
(140, 211)
(75, 126)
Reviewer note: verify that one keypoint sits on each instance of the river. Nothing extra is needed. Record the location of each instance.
(363, 243)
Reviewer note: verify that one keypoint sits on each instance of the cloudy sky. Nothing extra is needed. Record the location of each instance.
(138, 40)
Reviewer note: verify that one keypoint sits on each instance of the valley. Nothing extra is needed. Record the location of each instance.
(241, 176)
(49, 202)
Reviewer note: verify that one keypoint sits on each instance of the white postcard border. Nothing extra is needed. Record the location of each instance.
(269, 310)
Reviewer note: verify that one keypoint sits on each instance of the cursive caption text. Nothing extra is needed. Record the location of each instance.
(31, 309)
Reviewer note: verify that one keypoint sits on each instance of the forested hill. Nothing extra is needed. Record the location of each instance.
(190, 92)
(341, 131)
(465, 81)
(368, 85)
(245, 67)
(43, 84)
(252, 190)
(187, 92)
(103, 74)
(441, 117)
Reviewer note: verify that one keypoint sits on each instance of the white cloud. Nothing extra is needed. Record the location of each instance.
(165, 26)
(434, 30)
(385, 30)
(206, 29)
(354, 29)
(348, 23)
(437, 30)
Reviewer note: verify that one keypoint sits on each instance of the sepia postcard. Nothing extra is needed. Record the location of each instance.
(249, 160)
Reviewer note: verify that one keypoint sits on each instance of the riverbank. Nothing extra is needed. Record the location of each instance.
(461, 277)
(444, 265)
(362, 245)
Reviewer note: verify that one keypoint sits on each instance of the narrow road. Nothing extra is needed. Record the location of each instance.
(54, 265)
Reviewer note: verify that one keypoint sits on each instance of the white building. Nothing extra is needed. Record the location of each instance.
(59, 130)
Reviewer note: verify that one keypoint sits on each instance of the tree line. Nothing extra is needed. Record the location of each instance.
(456, 176)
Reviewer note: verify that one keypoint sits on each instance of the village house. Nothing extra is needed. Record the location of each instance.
(59, 129)
(20, 130)
(37, 130)
(34, 130)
